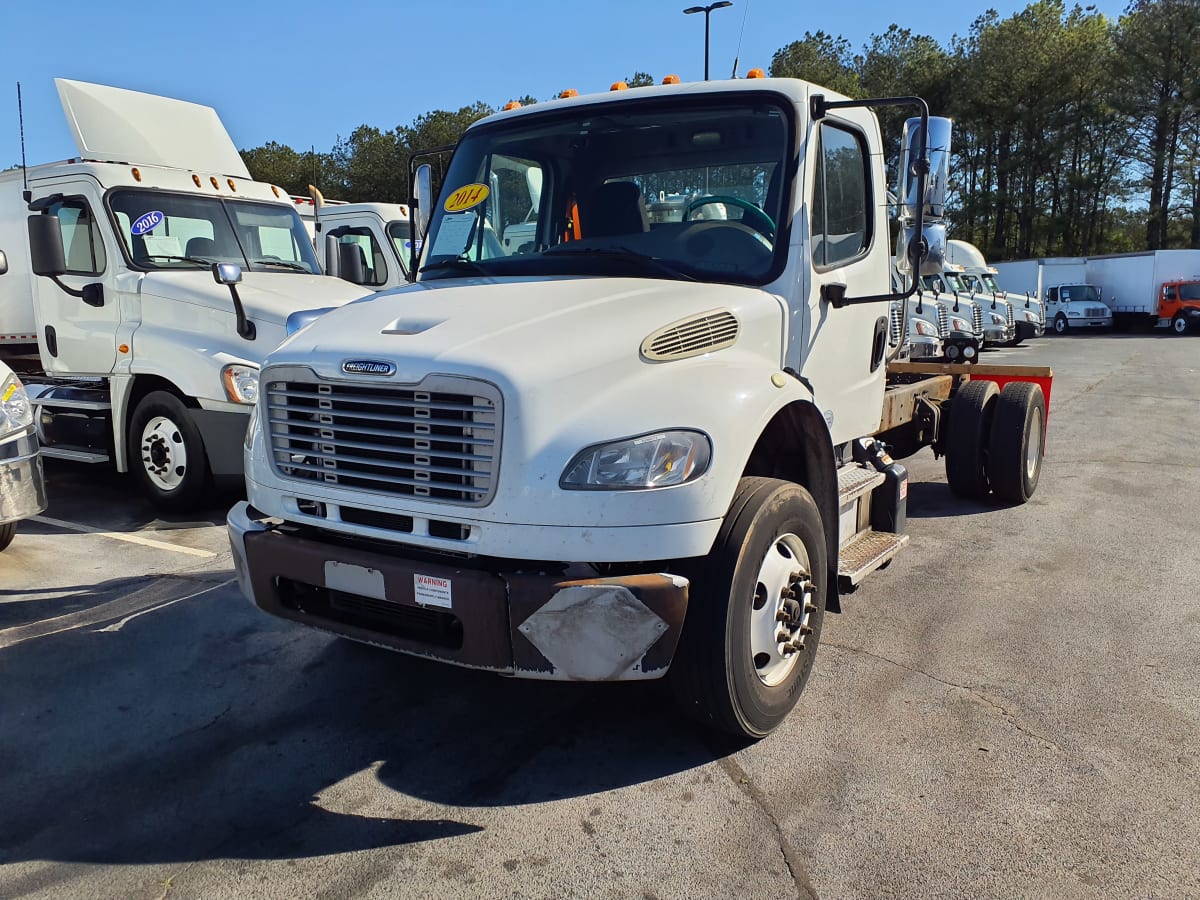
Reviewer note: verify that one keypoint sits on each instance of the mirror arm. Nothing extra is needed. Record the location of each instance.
(65, 289)
(245, 328)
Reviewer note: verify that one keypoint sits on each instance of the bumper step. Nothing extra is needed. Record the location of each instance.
(866, 553)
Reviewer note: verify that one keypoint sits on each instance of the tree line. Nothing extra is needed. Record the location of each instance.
(1074, 133)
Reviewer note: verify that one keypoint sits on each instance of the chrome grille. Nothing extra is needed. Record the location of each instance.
(943, 320)
(1009, 312)
(439, 440)
(1096, 311)
(977, 319)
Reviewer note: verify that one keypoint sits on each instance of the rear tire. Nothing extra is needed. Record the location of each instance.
(969, 431)
(7, 531)
(167, 453)
(1017, 442)
(767, 575)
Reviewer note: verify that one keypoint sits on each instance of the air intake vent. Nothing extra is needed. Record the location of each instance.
(943, 321)
(713, 330)
(895, 325)
(977, 319)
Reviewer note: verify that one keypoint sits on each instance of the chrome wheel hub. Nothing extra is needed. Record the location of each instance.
(785, 597)
(164, 455)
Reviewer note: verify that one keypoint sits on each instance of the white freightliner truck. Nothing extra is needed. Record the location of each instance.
(22, 488)
(149, 277)
(1070, 303)
(375, 237)
(1025, 313)
(630, 450)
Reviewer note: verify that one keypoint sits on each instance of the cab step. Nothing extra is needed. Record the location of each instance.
(868, 551)
(855, 480)
(74, 455)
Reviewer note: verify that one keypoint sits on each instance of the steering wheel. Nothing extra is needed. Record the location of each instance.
(758, 218)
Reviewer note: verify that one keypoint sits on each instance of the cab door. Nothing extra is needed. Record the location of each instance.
(844, 347)
(73, 336)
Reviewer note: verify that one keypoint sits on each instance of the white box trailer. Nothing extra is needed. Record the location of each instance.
(1133, 285)
(143, 294)
(1071, 303)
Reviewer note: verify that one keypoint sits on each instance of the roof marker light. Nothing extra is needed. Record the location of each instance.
(619, 86)
(671, 79)
(232, 186)
(756, 73)
(216, 184)
(275, 190)
(196, 180)
(137, 173)
(569, 92)
(511, 104)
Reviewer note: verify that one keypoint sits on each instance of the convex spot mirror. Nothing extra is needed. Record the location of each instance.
(927, 252)
(3, 263)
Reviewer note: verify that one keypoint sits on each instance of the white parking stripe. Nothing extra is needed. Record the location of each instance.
(121, 536)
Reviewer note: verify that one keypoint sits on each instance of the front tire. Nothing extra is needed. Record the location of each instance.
(7, 531)
(1179, 325)
(765, 578)
(1061, 326)
(167, 453)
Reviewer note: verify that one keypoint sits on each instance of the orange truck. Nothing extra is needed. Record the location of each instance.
(1156, 288)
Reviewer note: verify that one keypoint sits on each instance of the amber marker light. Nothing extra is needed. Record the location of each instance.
(232, 186)
(756, 73)
(216, 184)
(671, 79)
(619, 86)
(511, 104)
(275, 190)
(137, 173)
(569, 92)
(124, 348)
(196, 180)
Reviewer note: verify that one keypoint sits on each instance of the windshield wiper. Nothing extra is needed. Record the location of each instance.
(622, 253)
(192, 259)
(458, 262)
(297, 267)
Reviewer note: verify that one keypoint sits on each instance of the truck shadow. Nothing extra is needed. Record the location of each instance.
(934, 500)
(206, 731)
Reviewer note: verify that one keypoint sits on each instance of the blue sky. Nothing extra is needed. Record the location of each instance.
(303, 73)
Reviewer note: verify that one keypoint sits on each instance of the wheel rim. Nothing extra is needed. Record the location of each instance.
(781, 610)
(1033, 450)
(164, 454)
(1180, 326)
(1060, 325)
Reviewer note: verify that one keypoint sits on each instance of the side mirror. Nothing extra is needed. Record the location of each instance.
(227, 273)
(424, 198)
(332, 256)
(350, 264)
(3, 262)
(937, 144)
(46, 254)
(924, 253)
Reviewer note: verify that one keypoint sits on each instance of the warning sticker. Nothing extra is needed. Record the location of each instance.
(465, 197)
(904, 489)
(432, 591)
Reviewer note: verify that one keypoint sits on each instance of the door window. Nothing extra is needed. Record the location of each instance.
(841, 206)
(83, 245)
(374, 265)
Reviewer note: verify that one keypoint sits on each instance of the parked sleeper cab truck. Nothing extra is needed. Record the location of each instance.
(153, 289)
(631, 450)
(22, 487)
(1028, 317)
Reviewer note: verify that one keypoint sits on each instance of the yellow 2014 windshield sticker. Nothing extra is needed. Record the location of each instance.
(465, 197)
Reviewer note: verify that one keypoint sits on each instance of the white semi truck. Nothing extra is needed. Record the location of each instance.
(375, 237)
(628, 450)
(1026, 313)
(1071, 304)
(149, 277)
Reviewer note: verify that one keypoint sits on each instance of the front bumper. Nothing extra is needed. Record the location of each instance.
(22, 485)
(923, 347)
(1089, 322)
(998, 334)
(1027, 330)
(528, 624)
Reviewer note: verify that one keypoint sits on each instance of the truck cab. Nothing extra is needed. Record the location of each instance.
(1179, 304)
(376, 237)
(1076, 307)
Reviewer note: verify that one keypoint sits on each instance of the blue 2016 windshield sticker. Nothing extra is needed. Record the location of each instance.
(144, 224)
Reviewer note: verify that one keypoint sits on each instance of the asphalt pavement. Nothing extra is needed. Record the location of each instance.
(1011, 709)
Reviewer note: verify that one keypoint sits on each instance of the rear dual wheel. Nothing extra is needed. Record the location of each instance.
(996, 440)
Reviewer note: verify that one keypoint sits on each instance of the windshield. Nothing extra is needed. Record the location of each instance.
(181, 231)
(989, 283)
(955, 282)
(1189, 290)
(1084, 292)
(692, 190)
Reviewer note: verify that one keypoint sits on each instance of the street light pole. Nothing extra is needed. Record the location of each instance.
(707, 10)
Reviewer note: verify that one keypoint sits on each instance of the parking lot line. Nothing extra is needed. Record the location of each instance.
(120, 536)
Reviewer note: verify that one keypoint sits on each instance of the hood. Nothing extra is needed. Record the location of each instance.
(518, 329)
(267, 296)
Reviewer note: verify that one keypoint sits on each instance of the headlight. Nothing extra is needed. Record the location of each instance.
(241, 383)
(957, 324)
(651, 461)
(1031, 317)
(998, 319)
(1071, 312)
(16, 413)
(924, 328)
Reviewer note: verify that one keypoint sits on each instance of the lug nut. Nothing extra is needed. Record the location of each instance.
(805, 629)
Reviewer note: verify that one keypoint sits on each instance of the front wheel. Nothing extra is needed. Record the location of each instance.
(1179, 325)
(1060, 324)
(756, 606)
(7, 531)
(167, 452)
